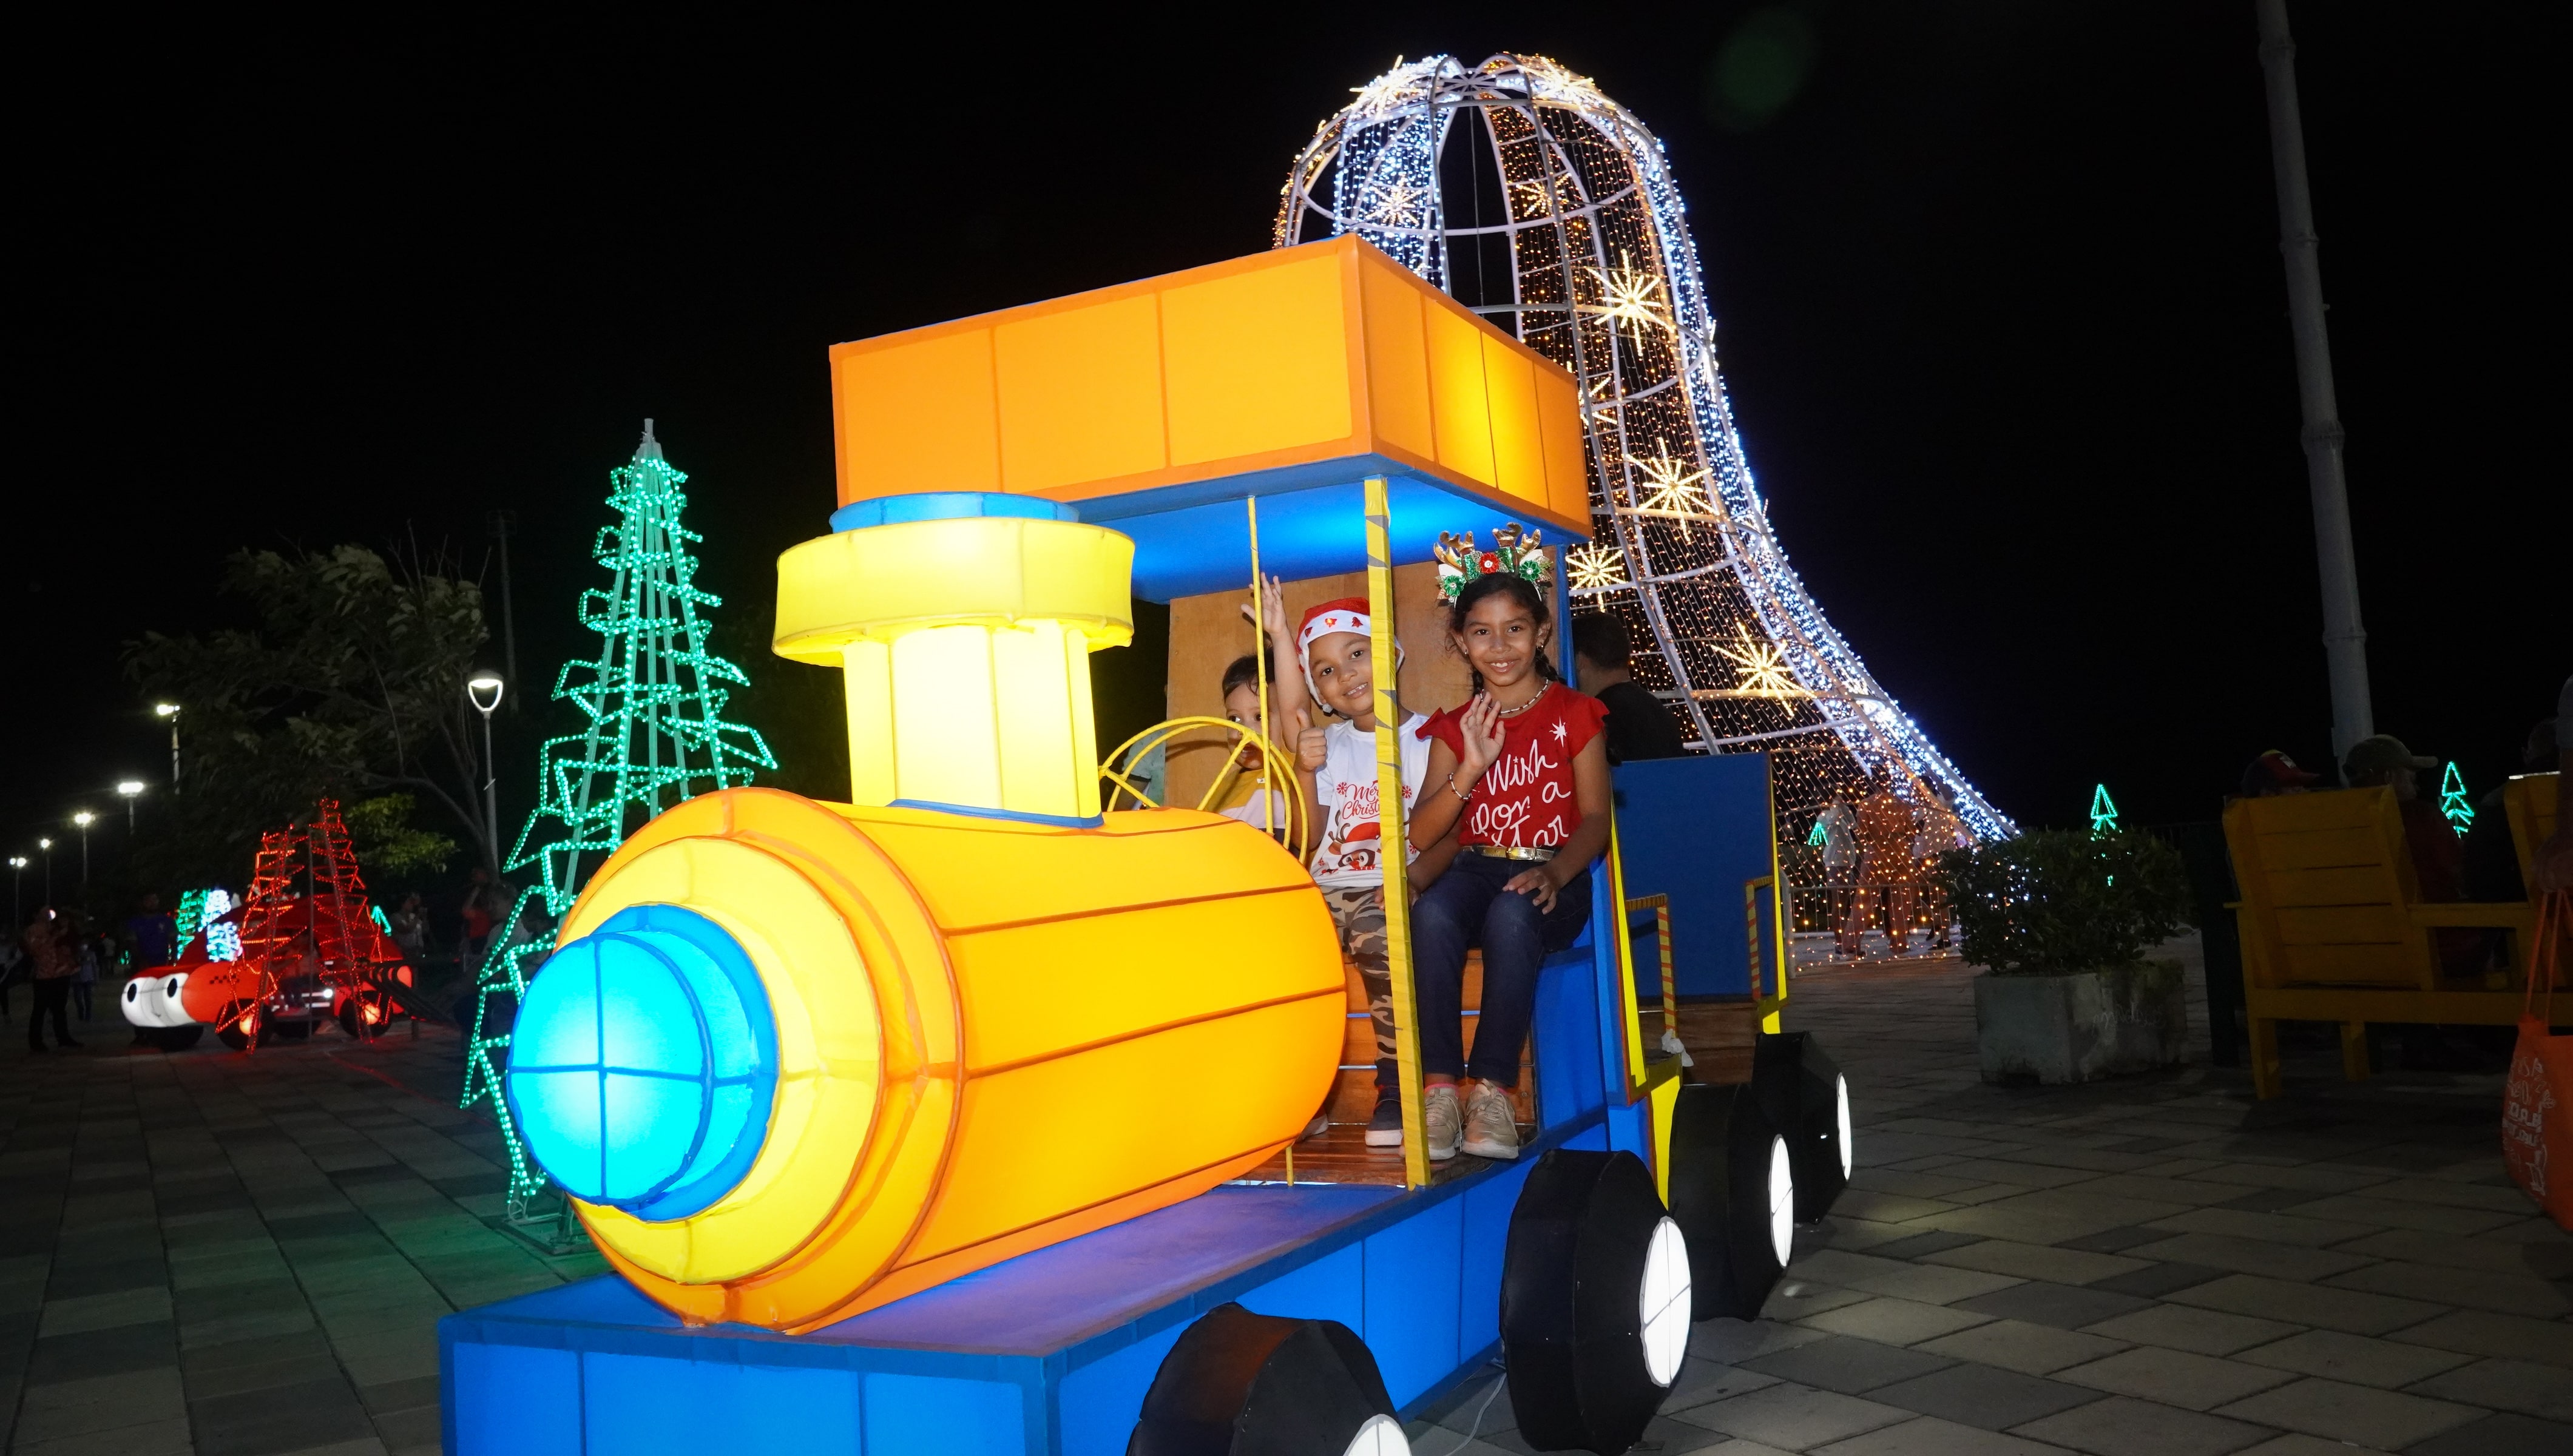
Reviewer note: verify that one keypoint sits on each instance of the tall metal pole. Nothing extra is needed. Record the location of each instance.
(2344, 640)
(501, 523)
(491, 794)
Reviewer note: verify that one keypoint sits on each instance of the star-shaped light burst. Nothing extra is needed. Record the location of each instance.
(1399, 206)
(1670, 487)
(1631, 297)
(1561, 734)
(1595, 569)
(1764, 668)
(1399, 84)
(1554, 83)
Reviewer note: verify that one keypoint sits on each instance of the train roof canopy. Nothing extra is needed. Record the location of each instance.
(1156, 406)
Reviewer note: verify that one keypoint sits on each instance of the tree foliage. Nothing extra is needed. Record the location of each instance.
(2060, 901)
(380, 831)
(351, 684)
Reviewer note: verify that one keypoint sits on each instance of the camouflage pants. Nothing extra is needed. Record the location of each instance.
(1359, 914)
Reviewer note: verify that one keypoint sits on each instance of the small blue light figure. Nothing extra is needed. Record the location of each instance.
(2452, 801)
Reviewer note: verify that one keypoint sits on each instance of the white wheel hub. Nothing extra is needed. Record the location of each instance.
(1664, 1301)
(1380, 1436)
(1849, 1151)
(1782, 1202)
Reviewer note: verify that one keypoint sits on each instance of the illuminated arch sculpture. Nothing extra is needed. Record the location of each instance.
(1528, 196)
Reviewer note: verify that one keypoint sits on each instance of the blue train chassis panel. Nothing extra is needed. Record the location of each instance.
(1048, 1354)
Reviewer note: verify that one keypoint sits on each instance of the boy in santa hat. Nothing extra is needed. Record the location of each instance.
(1334, 661)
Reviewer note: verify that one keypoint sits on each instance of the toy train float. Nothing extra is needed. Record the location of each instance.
(962, 1116)
(303, 947)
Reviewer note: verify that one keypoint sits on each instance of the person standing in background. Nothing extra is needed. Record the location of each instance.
(1639, 727)
(1941, 830)
(49, 944)
(411, 928)
(86, 948)
(1839, 822)
(1887, 870)
(13, 964)
(478, 915)
(150, 931)
(2551, 867)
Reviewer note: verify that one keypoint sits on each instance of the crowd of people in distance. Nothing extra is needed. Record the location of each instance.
(1880, 855)
(1506, 799)
(62, 956)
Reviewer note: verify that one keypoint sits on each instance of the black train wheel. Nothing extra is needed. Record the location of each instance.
(1733, 1192)
(1807, 1099)
(1595, 1302)
(1245, 1384)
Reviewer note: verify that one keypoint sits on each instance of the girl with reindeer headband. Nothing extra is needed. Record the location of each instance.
(1519, 776)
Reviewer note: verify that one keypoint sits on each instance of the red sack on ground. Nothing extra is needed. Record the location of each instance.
(2537, 1101)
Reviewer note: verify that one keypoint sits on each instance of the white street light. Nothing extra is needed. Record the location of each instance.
(131, 789)
(171, 712)
(17, 896)
(475, 689)
(47, 847)
(84, 818)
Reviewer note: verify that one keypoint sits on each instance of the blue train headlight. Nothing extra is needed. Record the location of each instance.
(643, 1064)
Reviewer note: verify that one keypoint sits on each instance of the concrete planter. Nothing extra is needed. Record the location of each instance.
(2091, 1024)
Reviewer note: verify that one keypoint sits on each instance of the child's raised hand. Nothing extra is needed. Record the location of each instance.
(1481, 725)
(1273, 607)
(1312, 744)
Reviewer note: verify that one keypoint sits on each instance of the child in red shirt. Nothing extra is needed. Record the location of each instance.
(1521, 773)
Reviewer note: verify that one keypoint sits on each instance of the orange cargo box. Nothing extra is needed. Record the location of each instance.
(1154, 407)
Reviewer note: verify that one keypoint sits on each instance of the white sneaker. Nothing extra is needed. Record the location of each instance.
(1441, 1120)
(1491, 1128)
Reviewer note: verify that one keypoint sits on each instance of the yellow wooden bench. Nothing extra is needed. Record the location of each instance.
(2334, 928)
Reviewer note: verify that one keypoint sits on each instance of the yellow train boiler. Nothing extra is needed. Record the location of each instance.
(794, 1059)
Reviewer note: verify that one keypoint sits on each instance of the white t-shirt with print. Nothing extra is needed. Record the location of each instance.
(1345, 790)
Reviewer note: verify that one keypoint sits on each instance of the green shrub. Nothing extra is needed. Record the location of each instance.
(2060, 901)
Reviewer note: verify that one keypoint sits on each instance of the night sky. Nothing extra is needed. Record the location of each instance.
(1998, 290)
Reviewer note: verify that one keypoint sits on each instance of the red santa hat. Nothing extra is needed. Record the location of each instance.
(1340, 614)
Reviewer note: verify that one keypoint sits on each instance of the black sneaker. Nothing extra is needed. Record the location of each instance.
(1384, 1127)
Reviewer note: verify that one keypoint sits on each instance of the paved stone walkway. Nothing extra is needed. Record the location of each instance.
(2155, 1266)
(240, 1255)
(248, 1255)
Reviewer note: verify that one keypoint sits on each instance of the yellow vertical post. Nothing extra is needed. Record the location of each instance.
(1393, 831)
(1259, 648)
(1777, 903)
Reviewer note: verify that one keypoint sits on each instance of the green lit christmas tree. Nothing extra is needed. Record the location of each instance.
(653, 735)
(2104, 812)
(2452, 801)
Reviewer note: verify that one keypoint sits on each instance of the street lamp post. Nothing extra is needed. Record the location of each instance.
(46, 847)
(476, 690)
(84, 818)
(131, 789)
(17, 889)
(171, 712)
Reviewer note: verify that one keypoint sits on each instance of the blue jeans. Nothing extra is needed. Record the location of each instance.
(1468, 907)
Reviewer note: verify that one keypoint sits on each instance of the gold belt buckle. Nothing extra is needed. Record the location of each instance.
(1539, 853)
